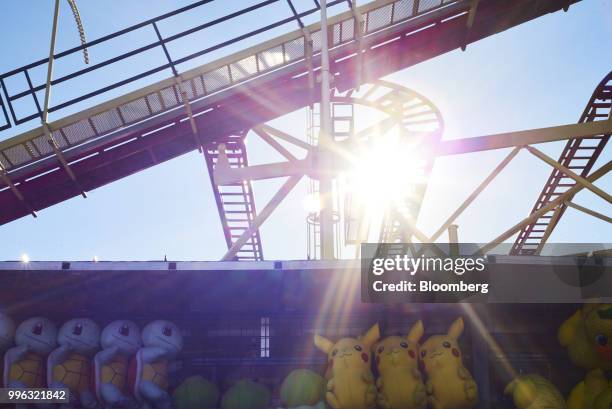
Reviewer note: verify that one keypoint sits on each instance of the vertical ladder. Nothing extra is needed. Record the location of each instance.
(579, 156)
(343, 120)
(235, 202)
(313, 227)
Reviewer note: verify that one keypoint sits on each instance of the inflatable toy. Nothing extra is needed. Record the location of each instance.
(302, 387)
(449, 384)
(246, 394)
(162, 341)
(7, 336)
(196, 393)
(69, 366)
(584, 394)
(24, 364)
(534, 392)
(587, 335)
(351, 385)
(119, 341)
(400, 385)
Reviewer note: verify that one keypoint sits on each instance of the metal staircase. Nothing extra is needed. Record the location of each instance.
(579, 156)
(235, 202)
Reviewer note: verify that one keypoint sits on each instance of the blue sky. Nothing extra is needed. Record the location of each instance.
(538, 74)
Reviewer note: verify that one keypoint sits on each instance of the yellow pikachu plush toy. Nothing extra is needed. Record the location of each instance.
(534, 392)
(400, 385)
(449, 383)
(587, 335)
(351, 385)
(584, 395)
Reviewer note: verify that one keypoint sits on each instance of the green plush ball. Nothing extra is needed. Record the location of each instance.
(246, 394)
(196, 393)
(302, 387)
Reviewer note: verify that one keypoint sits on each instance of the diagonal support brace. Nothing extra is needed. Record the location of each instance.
(188, 110)
(179, 83)
(7, 180)
(62, 159)
(589, 212)
(470, 22)
(563, 198)
(282, 193)
(579, 179)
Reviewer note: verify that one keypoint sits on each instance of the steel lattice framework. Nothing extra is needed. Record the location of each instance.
(212, 106)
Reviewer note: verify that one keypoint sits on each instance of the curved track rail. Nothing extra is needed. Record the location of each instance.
(416, 118)
(579, 155)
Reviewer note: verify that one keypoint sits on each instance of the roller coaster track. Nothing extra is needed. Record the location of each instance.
(579, 155)
(140, 129)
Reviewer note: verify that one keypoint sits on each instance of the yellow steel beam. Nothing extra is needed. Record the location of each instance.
(522, 138)
(474, 194)
(590, 212)
(262, 216)
(273, 143)
(7, 180)
(538, 153)
(550, 206)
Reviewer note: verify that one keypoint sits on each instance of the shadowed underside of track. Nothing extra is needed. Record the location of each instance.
(262, 99)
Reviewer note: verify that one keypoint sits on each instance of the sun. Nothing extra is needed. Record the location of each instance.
(385, 174)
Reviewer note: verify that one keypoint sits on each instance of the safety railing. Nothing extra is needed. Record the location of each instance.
(196, 83)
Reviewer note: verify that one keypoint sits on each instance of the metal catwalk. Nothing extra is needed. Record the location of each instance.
(208, 104)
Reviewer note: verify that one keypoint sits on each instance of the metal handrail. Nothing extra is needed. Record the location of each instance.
(32, 89)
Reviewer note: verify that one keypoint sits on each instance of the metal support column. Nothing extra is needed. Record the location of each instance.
(325, 142)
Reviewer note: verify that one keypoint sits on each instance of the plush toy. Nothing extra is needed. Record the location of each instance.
(196, 393)
(119, 340)
(583, 396)
(246, 394)
(162, 342)
(400, 385)
(69, 365)
(534, 392)
(24, 364)
(587, 335)
(302, 388)
(449, 384)
(604, 399)
(7, 335)
(351, 385)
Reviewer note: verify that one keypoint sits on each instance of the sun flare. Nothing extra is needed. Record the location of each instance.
(386, 175)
